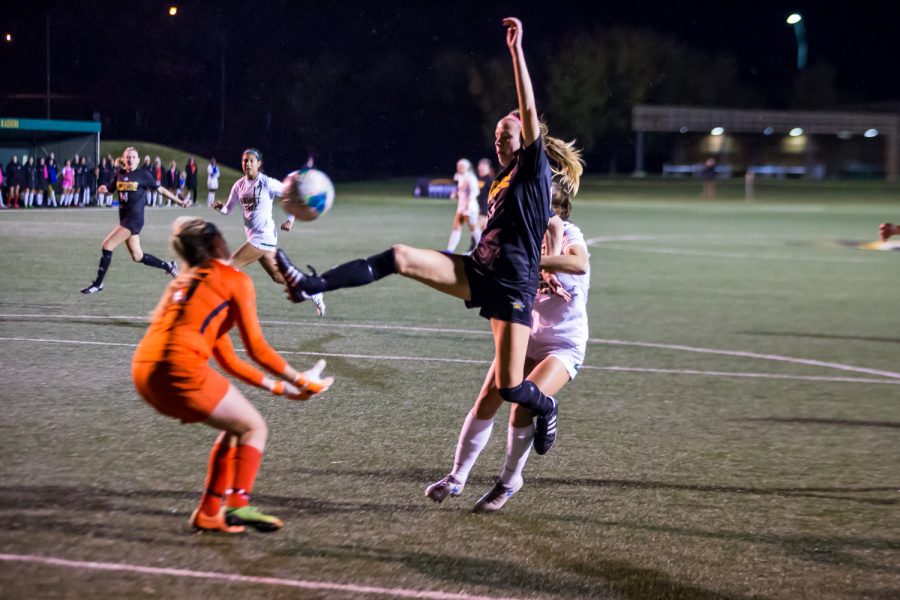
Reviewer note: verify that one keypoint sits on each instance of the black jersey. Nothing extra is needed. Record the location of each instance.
(510, 248)
(132, 187)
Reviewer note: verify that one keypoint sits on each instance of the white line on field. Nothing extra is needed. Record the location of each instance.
(681, 252)
(602, 341)
(469, 361)
(236, 578)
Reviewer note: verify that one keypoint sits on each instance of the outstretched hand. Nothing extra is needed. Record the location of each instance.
(886, 230)
(513, 33)
(309, 383)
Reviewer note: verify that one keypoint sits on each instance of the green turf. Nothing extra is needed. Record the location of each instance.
(690, 483)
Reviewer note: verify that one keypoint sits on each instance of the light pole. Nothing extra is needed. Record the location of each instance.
(800, 32)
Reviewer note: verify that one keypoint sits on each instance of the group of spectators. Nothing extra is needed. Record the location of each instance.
(38, 182)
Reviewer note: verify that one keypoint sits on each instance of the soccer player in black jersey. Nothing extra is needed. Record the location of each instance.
(501, 276)
(133, 185)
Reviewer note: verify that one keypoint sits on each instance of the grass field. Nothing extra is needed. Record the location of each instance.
(734, 434)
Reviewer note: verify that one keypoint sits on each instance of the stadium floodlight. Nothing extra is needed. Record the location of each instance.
(8, 37)
(796, 131)
(173, 10)
(717, 131)
(870, 133)
(796, 21)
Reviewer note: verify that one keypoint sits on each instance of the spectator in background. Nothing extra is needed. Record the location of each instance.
(886, 230)
(145, 165)
(190, 181)
(68, 184)
(12, 181)
(79, 181)
(157, 172)
(2, 205)
(212, 181)
(41, 180)
(29, 180)
(171, 180)
(708, 175)
(105, 179)
(52, 179)
(86, 176)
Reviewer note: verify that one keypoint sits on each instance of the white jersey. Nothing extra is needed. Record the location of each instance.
(255, 198)
(466, 193)
(558, 325)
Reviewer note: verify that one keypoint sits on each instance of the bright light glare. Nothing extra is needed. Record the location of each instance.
(173, 10)
(794, 19)
(795, 131)
(870, 133)
(8, 37)
(717, 131)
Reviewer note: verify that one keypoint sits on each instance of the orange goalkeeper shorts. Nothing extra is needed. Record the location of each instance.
(190, 394)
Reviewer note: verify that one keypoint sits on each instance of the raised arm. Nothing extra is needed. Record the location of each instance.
(886, 230)
(527, 108)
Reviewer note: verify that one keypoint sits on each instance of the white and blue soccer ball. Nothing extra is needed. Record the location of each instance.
(308, 194)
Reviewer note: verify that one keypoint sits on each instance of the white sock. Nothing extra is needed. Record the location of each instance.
(40, 199)
(473, 437)
(476, 235)
(455, 234)
(518, 447)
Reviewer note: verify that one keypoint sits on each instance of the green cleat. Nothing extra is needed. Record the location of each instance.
(252, 517)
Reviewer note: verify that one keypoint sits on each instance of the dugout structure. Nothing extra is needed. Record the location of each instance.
(40, 137)
(806, 143)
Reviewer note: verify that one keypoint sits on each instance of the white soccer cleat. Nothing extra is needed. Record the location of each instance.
(444, 487)
(497, 497)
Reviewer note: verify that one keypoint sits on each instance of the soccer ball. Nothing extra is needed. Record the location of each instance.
(308, 194)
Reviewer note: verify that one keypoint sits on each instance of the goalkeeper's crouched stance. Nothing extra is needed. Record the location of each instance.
(171, 372)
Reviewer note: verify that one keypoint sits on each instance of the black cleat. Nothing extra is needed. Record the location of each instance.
(172, 268)
(545, 429)
(294, 278)
(92, 289)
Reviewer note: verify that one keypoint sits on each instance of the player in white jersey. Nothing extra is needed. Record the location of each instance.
(556, 350)
(255, 193)
(466, 204)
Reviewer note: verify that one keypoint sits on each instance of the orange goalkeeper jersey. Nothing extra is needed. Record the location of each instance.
(192, 320)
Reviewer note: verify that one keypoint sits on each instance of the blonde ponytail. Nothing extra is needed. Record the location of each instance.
(566, 160)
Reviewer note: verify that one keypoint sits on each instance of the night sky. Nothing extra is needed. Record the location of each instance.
(387, 107)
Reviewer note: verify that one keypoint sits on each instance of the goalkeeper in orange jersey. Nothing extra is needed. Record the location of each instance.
(171, 372)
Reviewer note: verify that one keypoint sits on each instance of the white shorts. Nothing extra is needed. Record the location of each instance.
(471, 217)
(572, 357)
(263, 240)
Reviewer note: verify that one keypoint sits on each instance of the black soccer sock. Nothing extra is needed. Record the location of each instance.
(357, 272)
(152, 261)
(105, 259)
(528, 395)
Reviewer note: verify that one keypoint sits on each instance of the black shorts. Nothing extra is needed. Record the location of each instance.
(133, 223)
(497, 301)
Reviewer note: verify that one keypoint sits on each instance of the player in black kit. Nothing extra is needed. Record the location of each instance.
(133, 184)
(501, 276)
